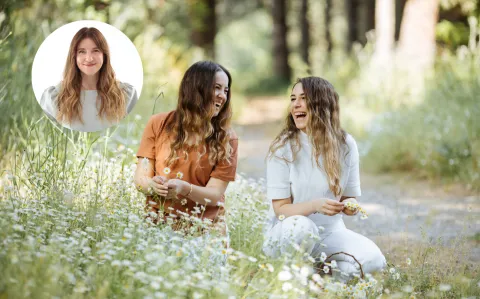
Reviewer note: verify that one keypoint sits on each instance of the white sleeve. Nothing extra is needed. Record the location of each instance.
(352, 187)
(48, 101)
(130, 95)
(278, 177)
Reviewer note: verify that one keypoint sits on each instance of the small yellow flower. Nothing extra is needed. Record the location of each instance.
(179, 175)
(281, 217)
(179, 253)
(167, 170)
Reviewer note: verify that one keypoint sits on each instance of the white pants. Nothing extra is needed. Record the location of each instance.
(302, 231)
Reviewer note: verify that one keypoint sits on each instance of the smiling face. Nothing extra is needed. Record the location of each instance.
(298, 107)
(221, 92)
(89, 57)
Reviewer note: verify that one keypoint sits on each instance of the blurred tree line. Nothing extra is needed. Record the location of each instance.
(265, 44)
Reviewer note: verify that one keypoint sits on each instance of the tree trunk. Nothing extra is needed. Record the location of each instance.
(370, 14)
(351, 6)
(305, 28)
(417, 33)
(204, 25)
(280, 48)
(399, 9)
(328, 19)
(384, 30)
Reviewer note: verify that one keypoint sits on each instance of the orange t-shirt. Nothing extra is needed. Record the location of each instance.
(155, 145)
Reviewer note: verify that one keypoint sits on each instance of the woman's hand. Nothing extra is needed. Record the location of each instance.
(327, 206)
(157, 184)
(177, 187)
(346, 210)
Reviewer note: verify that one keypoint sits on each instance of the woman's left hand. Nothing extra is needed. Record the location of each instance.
(346, 210)
(176, 187)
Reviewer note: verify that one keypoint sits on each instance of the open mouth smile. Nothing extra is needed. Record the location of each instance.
(300, 115)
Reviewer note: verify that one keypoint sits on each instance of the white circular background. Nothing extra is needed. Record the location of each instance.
(49, 62)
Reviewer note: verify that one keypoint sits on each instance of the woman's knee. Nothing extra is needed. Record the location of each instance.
(375, 263)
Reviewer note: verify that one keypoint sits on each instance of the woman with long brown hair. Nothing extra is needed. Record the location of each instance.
(188, 156)
(89, 98)
(312, 172)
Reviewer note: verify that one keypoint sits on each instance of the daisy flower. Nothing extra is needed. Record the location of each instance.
(179, 175)
(281, 217)
(167, 170)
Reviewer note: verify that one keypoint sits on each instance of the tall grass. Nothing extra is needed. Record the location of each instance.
(73, 226)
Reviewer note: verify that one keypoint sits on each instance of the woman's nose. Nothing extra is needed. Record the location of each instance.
(297, 103)
(222, 95)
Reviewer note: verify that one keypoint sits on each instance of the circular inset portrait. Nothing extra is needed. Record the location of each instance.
(87, 76)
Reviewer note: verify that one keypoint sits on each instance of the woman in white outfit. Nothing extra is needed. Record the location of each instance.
(89, 98)
(312, 171)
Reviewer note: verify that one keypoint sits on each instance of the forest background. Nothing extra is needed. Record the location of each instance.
(408, 76)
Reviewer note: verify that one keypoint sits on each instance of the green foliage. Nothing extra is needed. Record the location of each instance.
(452, 34)
(439, 136)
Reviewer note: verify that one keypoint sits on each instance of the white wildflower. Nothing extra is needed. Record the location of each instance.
(252, 259)
(317, 278)
(270, 267)
(323, 257)
(304, 271)
(444, 287)
(325, 269)
(284, 275)
(287, 286)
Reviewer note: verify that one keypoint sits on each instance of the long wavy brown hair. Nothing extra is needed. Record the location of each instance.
(193, 127)
(110, 96)
(323, 129)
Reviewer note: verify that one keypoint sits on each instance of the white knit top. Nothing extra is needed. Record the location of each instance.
(304, 181)
(90, 106)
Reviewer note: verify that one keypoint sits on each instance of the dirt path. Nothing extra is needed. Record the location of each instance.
(400, 208)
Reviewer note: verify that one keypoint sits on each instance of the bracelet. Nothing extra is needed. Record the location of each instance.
(191, 189)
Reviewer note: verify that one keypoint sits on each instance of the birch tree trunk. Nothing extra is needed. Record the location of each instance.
(417, 33)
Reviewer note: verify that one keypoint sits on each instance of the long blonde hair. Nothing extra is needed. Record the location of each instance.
(193, 118)
(323, 129)
(112, 98)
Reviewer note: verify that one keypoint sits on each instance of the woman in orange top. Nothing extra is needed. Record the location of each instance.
(188, 156)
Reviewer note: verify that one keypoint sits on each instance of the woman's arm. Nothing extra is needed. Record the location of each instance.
(146, 182)
(322, 205)
(209, 195)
